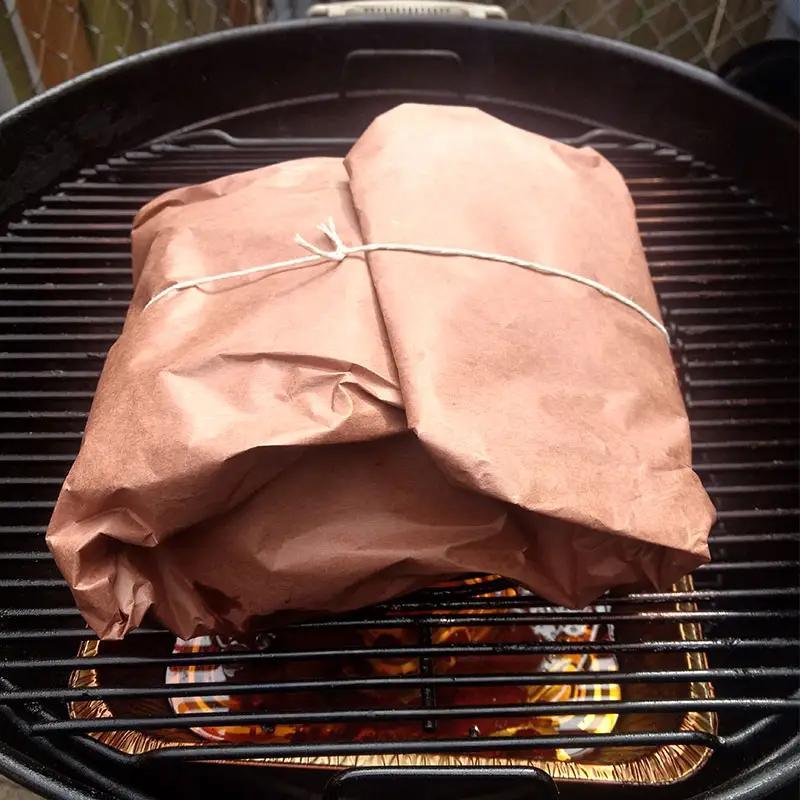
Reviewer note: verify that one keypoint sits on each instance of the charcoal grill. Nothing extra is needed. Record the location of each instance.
(713, 175)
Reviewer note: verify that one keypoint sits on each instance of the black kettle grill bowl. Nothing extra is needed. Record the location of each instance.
(714, 176)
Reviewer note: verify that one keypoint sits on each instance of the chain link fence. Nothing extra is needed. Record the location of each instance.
(701, 32)
(45, 42)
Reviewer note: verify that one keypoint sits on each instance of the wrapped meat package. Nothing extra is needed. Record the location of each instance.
(316, 439)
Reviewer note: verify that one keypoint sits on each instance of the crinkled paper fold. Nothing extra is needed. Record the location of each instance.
(324, 438)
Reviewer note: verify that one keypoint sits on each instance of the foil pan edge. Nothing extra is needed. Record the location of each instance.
(663, 765)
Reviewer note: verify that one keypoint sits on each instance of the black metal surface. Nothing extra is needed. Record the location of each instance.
(725, 267)
(129, 102)
(467, 783)
(770, 71)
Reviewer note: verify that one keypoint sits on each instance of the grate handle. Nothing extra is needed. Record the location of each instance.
(433, 783)
(409, 69)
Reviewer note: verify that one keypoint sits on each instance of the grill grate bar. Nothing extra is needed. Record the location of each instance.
(735, 403)
(715, 491)
(48, 288)
(119, 193)
(40, 555)
(647, 215)
(22, 233)
(67, 395)
(706, 278)
(755, 261)
(745, 213)
(635, 597)
(39, 374)
(750, 538)
(744, 443)
(209, 752)
(157, 187)
(759, 674)
(704, 201)
(717, 539)
(45, 255)
(479, 620)
(433, 651)
(371, 716)
(40, 415)
(78, 212)
(716, 595)
(23, 228)
(36, 415)
(701, 207)
(698, 447)
(733, 294)
(733, 346)
(54, 356)
(26, 481)
(122, 241)
(744, 465)
(61, 338)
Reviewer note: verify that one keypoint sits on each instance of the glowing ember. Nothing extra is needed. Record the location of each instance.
(410, 698)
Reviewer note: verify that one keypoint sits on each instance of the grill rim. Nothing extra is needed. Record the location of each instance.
(101, 98)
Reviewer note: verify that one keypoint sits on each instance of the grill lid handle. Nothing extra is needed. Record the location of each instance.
(449, 783)
(419, 8)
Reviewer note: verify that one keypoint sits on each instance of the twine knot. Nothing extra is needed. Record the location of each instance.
(340, 251)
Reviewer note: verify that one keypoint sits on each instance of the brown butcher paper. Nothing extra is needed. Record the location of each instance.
(320, 438)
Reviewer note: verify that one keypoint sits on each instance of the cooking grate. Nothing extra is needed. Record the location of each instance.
(725, 268)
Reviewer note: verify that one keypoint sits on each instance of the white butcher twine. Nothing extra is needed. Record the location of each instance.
(341, 251)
